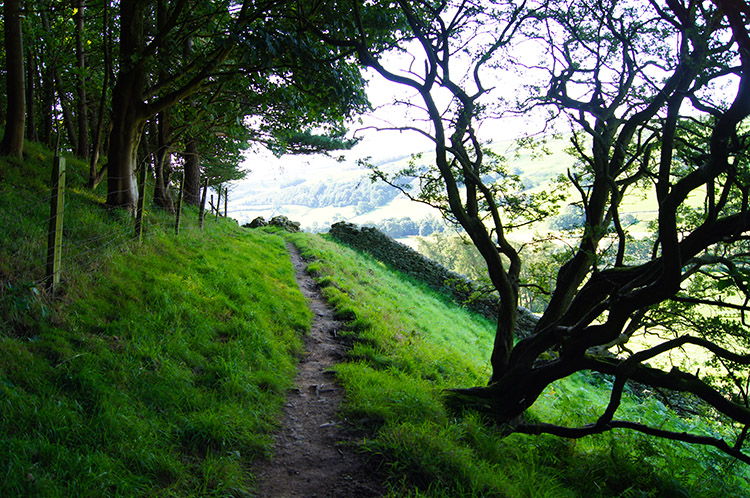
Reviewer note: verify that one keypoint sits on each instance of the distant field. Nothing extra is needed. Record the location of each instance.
(319, 191)
(294, 186)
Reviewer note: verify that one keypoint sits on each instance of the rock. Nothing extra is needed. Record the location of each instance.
(256, 223)
(285, 223)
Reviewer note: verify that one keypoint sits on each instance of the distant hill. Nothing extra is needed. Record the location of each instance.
(318, 191)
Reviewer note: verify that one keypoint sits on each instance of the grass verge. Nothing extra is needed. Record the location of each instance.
(159, 370)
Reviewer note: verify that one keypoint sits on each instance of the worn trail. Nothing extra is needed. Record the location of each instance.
(312, 454)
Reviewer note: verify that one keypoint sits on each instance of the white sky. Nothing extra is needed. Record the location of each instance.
(379, 145)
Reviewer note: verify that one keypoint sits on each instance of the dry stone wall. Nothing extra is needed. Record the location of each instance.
(408, 261)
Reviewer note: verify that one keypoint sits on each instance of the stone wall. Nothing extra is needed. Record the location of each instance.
(408, 261)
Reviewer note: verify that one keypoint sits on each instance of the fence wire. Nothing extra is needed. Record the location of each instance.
(88, 238)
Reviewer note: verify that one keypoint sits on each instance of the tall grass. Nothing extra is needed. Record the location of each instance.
(160, 370)
(409, 344)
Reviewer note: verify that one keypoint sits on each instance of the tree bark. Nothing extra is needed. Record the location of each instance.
(82, 149)
(47, 86)
(12, 144)
(192, 165)
(127, 129)
(128, 120)
(94, 176)
(163, 165)
(129, 111)
(31, 72)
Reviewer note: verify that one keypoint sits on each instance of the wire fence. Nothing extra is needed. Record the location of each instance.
(90, 233)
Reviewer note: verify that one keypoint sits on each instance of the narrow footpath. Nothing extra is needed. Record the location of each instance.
(313, 454)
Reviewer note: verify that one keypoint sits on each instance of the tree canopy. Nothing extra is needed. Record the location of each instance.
(226, 75)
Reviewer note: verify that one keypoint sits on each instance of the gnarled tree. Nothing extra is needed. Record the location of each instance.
(640, 84)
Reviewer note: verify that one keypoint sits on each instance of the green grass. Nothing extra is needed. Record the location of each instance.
(409, 344)
(159, 370)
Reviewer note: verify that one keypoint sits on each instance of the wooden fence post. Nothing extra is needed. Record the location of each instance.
(218, 204)
(179, 206)
(202, 212)
(54, 235)
(141, 202)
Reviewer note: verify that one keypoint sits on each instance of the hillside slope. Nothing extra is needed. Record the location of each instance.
(318, 191)
(409, 344)
(159, 369)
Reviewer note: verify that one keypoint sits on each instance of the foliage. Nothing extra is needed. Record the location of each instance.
(458, 254)
(337, 192)
(641, 86)
(455, 253)
(145, 79)
(406, 227)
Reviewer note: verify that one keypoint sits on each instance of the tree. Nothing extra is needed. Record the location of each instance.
(251, 44)
(81, 104)
(12, 143)
(639, 83)
(96, 175)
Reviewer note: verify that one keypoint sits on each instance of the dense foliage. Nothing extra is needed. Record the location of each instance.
(126, 85)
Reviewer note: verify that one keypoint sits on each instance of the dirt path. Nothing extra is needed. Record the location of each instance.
(312, 457)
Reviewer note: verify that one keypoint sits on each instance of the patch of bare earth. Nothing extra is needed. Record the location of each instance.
(314, 454)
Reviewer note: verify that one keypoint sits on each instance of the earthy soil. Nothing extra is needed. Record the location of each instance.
(315, 453)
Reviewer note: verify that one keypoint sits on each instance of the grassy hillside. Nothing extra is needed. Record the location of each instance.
(409, 345)
(159, 370)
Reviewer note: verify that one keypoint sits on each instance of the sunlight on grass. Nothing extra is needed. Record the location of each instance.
(160, 370)
(409, 344)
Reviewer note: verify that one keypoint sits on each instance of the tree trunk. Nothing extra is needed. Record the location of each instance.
(47, 105)
(163, 156)
(129, 110)
(128, 117)
(192, 174)
(62, 96)
(82, 149)
(31, 72)
(127, 129)
(12, 144)
(504, 335)
(163, 166)
(47, 102)
(94, 177)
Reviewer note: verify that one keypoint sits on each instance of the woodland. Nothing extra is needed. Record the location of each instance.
(654, 95)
